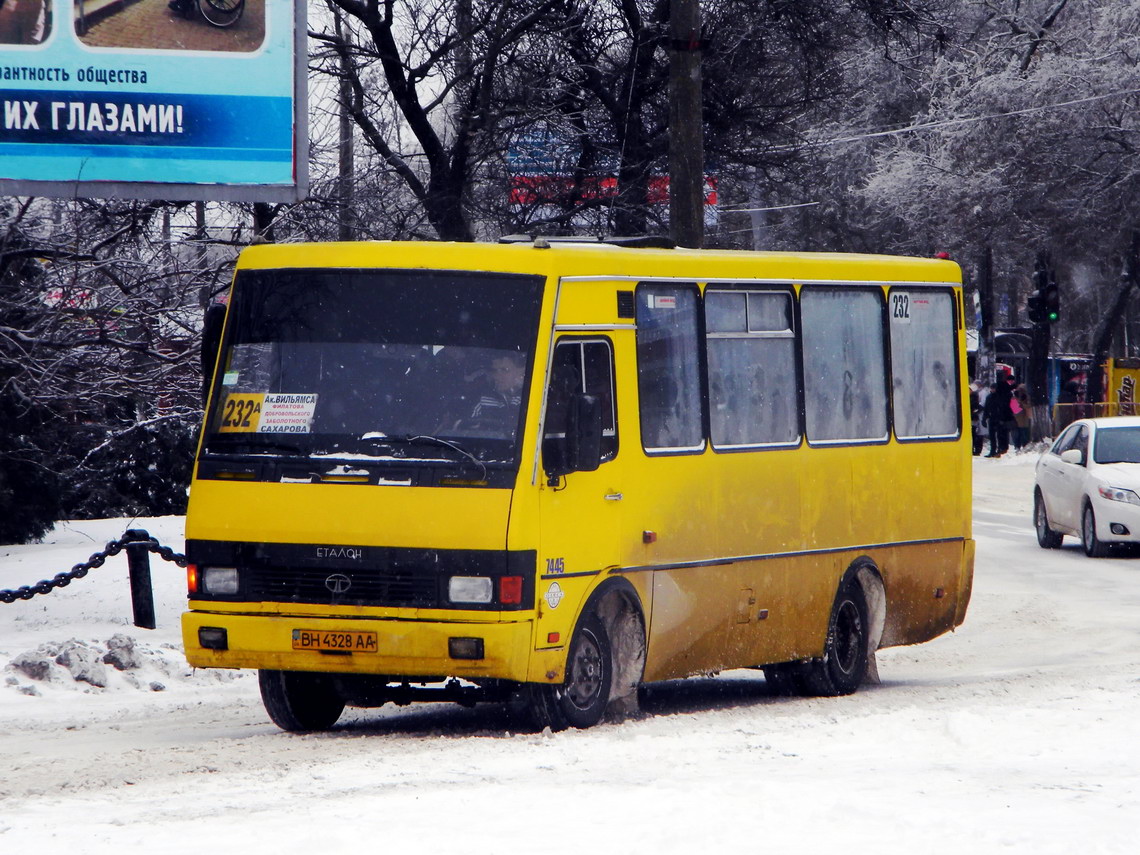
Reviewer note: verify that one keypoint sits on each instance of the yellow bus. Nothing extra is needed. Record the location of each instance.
(547, 473)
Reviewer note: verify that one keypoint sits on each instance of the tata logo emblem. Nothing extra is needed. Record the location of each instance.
(338, 583)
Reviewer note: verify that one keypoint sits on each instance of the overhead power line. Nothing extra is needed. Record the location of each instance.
(942, 123)
(770, 208)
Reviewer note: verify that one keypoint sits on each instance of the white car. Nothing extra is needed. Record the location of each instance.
(1088, 485)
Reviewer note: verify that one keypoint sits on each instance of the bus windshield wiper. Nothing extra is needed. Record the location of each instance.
(419, 439)
(261, 447)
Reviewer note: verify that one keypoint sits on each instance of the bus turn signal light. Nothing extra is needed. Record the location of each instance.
(192, 578)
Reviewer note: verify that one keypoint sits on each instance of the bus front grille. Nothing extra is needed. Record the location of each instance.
(337, 587)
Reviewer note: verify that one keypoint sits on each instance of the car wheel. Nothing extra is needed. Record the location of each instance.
(1094, 548)
(1046, 537)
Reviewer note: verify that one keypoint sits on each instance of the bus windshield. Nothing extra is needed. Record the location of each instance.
(375, 363)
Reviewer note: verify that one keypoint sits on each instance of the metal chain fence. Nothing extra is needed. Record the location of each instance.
(138, 543)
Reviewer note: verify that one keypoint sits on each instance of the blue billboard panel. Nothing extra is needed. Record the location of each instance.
(189, 99)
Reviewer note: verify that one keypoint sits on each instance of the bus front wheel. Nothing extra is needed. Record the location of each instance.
(300, 701)
(582, 699)
(844, 661)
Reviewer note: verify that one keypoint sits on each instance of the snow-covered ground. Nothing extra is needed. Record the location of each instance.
(1018, 733)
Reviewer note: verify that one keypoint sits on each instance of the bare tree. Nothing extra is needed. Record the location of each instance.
(589, 96)
(99, 315)
(421, 79)
(1022, 137)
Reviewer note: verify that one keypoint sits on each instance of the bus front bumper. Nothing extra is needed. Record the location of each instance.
(399, 648)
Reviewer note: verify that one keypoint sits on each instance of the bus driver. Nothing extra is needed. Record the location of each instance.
(498, 406)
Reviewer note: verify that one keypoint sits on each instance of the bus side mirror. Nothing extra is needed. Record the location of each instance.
(584, 434)
(211, 339)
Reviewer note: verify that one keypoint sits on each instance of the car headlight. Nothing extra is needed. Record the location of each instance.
(1119, 494)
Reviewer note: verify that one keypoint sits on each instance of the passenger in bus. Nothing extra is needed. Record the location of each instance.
(497, 408)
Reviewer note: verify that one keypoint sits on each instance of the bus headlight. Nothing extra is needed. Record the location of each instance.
(1119, 494)
(469, 589)
(220, 580)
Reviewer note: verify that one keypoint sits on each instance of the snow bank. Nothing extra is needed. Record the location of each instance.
(79, 640)
(1018, 733)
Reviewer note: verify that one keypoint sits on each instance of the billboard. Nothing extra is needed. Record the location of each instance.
(181, 100)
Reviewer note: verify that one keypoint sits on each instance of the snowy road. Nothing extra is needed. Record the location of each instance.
(1018, 733)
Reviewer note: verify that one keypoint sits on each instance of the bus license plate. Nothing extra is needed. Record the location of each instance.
(335, 640)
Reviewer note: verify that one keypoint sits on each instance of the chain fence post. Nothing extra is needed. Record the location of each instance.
(137, 546)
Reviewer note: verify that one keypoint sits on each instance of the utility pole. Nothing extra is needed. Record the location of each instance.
(985, 369)
(205, 297)
(347, 159)
(686, 126)
(263, 215)
(1042, 318)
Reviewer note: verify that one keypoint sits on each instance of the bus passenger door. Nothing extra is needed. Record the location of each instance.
(580, 501)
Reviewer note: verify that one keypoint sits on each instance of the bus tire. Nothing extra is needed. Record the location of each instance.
(299, 701)
(784, 679)
(582, 699)
(844, 661)
(1046, 537)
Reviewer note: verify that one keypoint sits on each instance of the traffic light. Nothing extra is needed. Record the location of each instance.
(1035, 308)
(1051, 303)
(1044, 305)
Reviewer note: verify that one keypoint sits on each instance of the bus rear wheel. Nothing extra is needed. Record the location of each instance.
(844, 662)
(300, 701)
(582, 699)
(784, 679)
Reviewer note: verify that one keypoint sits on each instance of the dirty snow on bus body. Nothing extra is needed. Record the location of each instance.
(1020, 732)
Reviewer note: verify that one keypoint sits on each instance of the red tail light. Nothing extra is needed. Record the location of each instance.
(510, 590)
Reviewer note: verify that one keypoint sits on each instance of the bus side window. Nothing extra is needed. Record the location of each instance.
(845, 388)
(752, 368)
(924, 364)
(669, 367)
(580, 367)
